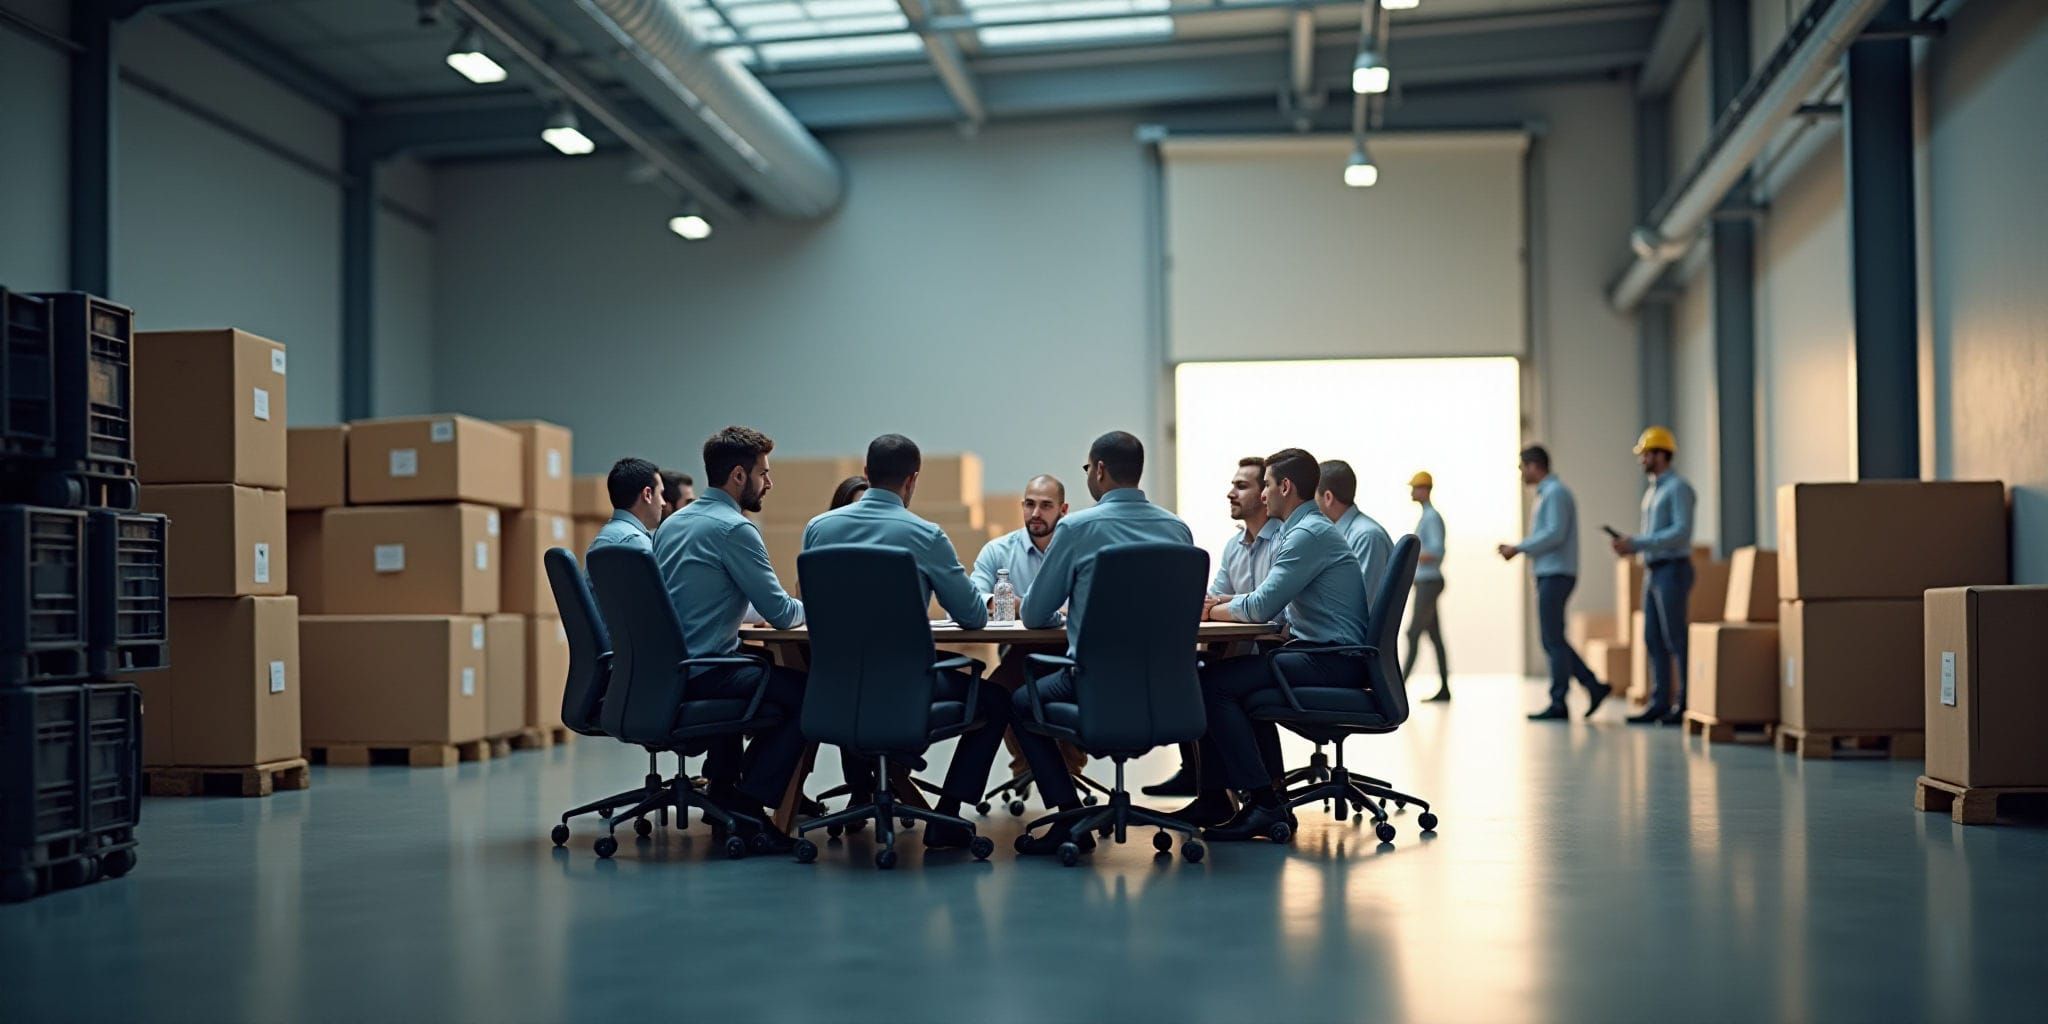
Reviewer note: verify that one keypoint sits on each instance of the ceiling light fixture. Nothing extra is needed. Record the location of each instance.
(690, 224)
(468, 58)
(1361, 172)
(563, 133)
(1400, 5)
(1368, 75)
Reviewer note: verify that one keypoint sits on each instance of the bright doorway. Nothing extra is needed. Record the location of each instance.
(1458, 418)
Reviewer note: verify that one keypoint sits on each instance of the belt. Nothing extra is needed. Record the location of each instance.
(1661, 563)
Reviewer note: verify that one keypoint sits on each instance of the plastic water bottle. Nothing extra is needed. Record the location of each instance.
(1005, 603)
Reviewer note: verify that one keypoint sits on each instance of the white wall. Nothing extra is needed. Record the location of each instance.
(1696, 417)
(34, 188)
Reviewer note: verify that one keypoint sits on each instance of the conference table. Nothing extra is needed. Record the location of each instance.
(790, 648)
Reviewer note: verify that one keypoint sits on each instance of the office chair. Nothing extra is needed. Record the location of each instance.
(644, 704)
(590, 672)
(873, 671)
(1135, 682)
(1330, 714)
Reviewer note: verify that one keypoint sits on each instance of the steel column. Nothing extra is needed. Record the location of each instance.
(1734, 270)
(1883, 284)
(358, 273)
(94, 78)
(1653, 317)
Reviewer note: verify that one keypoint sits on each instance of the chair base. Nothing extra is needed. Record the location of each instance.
(682, 794)
(1360, 792)
(884, 812)
(627, 798)
(1018, 789)
(1114, 819)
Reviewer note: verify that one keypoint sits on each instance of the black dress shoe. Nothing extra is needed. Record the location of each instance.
(940, 835)
(1049, 844)
(1183, 783)
(1650, 716)
(1441, 696)
(1208, 809)
(1253, 822)
(1675, 716)
(1553, 713)
(1596, 696)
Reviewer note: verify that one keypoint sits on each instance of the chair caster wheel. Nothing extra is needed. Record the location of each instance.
(834, 831)
(118, 863)
(1016, 808)
(759, 843)
(806, 851)
(1162, 842)
(1069, 854)
(1088, 801)
(907, 823)
(885, 858)
(606, 846)
(1192, 850)
(642, 827)
(735, 847)
(1281, 832)
(983, 808)
(1023, 840)
(981, 847)
(560, 834)
(1385, 830)
(1427, 821)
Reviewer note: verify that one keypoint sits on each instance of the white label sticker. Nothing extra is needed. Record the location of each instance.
(277, 677)
(561, 528)
(262, 563)
(554, 464)
(491, 524)
(405, 462)
(476, 636)
(262, 404)
(390, 558)
(483, 555)
(469, 682)
(277, 361)
(1791, 673)
(1948, 678)
(442, 432)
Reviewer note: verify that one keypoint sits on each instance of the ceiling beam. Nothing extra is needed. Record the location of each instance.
(947, 62)
(1678, 34)
(125, 9)
(260, 55)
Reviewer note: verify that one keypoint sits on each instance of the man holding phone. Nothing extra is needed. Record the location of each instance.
(1553, 550)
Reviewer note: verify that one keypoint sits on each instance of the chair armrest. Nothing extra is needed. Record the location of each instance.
(1058, 661)
(1368, 650)
(760, 688)
(959, 661)
(1052, 660)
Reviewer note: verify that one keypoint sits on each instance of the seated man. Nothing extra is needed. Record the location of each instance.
(1317, 580)
(677, 489)
(1337, 497)
(714, 563)
(1121, 515)
(637, 506)
(1022, 552)
(881, 515)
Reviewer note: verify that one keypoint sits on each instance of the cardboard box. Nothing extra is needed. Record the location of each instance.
(1638, 661)
(318, 458)
(231, 695)
(392, 679)
(1585, 627)
(434, 458)
(1986, 697)
(952, 516)
(803, 487)
(230, 540)
(784, 544)
(590, 498)
(1752, 586)
(209, 408)
(302, 545)
(1733, 671)
(504, 639)
(1892, 539)
(951, 479)
(545, 453)
(1610, 660)
(528, 536)
(1005, 510)
(586, 532)
(411, 560)
(1628, 593)
(1851, 666)
(547, 671)
(1709, 588)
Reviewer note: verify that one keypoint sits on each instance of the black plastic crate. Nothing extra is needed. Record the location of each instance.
(113, 760)
(70, 785)
(43, 595)
(93, 459)
(128, 598)
(28, 411)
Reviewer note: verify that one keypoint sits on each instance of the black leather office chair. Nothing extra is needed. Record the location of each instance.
(873, 671)
(644, 704)
(1330, 714)
(1135, 682)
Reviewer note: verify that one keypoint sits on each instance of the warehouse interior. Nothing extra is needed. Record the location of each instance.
(1799, 234)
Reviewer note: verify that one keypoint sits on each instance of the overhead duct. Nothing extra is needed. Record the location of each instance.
(712, 98)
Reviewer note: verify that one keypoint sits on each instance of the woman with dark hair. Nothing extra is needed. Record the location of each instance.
(849, 491)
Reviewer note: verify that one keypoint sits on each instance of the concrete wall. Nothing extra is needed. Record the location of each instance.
(1695, 419)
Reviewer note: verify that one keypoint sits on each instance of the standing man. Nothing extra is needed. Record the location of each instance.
(678, 490)
(1022, 553)
(637, 506)
(1553, 550)
(1429, 585)
(1317, 579)
(1336, 496)
(1121, 515)
(1246, 561)
(1666, 549)
(881, 515)
(715, 564)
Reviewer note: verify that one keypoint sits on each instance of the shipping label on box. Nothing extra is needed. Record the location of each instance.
(433, 459)
(1985, 691)
(409, 559)
(544, 456)
(230, 539)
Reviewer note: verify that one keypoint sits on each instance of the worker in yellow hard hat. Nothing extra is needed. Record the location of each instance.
(1429, 585)
(1665, 546)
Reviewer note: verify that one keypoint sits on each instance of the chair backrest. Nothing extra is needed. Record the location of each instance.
(590, 647)
(870, 687)
(1384, 627)
(647, 645)
(1136, 683)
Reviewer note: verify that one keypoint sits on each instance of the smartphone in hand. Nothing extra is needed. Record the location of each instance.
(1610, 531)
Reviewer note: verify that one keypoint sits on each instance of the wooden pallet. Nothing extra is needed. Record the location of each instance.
(416, 755)
(1979, 805)
(541, 737)
(1699, 723)
(1823, 744)
(255, 780)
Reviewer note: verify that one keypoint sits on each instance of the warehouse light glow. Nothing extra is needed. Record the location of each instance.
(690, 226)
(563, 133)
(1368, 76)
(468, 58)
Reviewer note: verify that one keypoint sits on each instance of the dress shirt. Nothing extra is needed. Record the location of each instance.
(1015, 552)
(1316, 579)
(1429, 532)
(1667, 520)
(1553, 541)
(1244, 566)
(879, 517)
(624, 528)
(1369, 544)
(714, 563)
(1122, 516)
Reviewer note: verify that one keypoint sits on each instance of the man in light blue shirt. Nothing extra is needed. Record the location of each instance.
(1318, 580)
(1336, 497)
(1429, 586)
(714, 563)
(1553, 551)
(882, 516)
(1121, 515)
(1666, 549)
(637, 505)
(1022, 553)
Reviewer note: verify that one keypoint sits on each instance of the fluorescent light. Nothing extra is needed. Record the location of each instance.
(690, 225)
(1400, 5)
(1368, 75)
(563, 134)
(468, 58)
(1361, 172)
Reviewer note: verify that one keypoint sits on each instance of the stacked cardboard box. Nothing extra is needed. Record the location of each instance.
(1854, 563)
(590, 507)
(1585, 627)
(214, 461)
(1733, 674)
(1985, 698)
(525, 669)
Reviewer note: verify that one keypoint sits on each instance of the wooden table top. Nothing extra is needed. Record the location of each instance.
(946, 632)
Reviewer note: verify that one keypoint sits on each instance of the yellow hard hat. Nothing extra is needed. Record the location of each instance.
(1657, 437)
(1422, 479)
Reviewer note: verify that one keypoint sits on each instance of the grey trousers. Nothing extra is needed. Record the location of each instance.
(1424, 622)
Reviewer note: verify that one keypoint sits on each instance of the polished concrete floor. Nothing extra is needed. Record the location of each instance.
(1583, 872)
